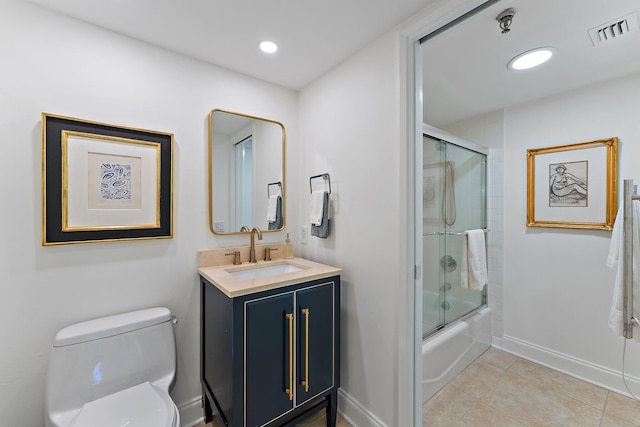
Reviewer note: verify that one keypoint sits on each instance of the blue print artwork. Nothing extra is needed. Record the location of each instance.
(116, 181)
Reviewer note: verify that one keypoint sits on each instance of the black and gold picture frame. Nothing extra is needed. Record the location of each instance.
(102, 182)
(573, 186)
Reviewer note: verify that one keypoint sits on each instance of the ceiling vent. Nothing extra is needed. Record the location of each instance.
(614, 29)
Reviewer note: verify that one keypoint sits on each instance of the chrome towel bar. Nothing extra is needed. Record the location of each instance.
(627, 302)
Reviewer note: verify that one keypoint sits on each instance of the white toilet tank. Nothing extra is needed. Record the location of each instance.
(96, 358)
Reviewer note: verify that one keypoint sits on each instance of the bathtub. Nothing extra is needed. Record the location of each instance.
(459, 303)
(446, 353)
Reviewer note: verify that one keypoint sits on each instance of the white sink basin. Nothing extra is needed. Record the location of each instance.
(266, 271)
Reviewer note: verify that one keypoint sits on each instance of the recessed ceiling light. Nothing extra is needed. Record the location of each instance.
(268, 47)
(532, 58)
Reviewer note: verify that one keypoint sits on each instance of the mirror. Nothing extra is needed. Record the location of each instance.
(246, 173)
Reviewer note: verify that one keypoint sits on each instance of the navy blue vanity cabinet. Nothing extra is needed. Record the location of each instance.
(315, 341)
(271, 358)
(269, 354)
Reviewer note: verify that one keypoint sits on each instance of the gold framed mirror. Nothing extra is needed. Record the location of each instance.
(246, 173)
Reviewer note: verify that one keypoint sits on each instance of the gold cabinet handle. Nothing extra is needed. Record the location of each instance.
(305, 382)
(289, 391)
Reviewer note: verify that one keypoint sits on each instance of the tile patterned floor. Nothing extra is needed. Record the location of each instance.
(502, 390)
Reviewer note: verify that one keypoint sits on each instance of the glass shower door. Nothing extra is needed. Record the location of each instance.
(454, 202)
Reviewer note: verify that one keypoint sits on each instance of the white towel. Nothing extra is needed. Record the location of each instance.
(317, 208)
(473, 271)
(272, 208)
(615, 262)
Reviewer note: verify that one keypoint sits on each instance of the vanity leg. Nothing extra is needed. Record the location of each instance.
(208, 412)
(332, 409)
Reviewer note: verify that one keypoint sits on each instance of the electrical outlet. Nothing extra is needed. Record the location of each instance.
(218, 226)
(304, 235)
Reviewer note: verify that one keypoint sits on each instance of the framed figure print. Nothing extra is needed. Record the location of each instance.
(573, 186)
(103, 182)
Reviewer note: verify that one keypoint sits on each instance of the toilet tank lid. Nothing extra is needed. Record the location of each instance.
(109, 326)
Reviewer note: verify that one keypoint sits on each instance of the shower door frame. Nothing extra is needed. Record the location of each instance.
(434, 132)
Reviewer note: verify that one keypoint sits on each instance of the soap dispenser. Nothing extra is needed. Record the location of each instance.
(288, 247)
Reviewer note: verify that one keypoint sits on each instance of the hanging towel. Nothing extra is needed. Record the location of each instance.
(473, 272)
(615, 261)
(317, 207)
(274, 212)
(322, 230)
(272, 208)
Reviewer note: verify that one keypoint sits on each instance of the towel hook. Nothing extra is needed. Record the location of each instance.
(325, 177)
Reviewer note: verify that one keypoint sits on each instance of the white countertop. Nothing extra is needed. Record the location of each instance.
(221, 277)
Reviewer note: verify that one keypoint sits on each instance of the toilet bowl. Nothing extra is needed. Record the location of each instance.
(141, 406)
(113, 371)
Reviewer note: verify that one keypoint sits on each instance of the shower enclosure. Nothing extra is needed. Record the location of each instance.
(454, 201)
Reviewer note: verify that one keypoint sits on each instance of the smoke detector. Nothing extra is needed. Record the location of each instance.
(614, 29)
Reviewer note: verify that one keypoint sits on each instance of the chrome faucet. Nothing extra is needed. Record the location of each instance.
(252, 251)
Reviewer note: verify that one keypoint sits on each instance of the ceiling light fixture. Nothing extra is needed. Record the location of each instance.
(268, 47)
(532, 58)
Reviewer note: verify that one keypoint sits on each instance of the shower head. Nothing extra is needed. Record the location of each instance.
(441, 146)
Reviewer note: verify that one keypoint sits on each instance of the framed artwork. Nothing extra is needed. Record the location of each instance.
(573, 186)
(102, 182)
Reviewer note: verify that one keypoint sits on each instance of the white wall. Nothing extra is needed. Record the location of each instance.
(349, 128)
(557, 289)
(62, 66)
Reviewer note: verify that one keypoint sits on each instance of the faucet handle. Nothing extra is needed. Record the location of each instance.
(267, 253)
(236, 257)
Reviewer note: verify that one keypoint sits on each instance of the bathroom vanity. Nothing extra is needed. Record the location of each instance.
(270, 336)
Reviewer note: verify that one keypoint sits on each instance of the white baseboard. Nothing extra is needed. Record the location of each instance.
(191, 413)
(354, 413)
(587, 371)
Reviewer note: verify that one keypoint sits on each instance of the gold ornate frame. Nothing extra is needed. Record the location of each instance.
(600, 188)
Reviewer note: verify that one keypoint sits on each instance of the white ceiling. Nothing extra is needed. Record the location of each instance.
(465, 67)
(465, 71)
(314, 36)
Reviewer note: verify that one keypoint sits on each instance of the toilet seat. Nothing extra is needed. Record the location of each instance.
(140, 406)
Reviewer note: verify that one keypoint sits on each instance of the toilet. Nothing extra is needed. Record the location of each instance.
(113, 371)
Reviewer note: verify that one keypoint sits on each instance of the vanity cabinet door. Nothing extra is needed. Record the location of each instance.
(269, 353)
(316, 337)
